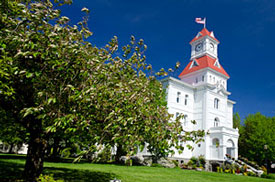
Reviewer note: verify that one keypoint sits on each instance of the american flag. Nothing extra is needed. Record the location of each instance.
(200, 21)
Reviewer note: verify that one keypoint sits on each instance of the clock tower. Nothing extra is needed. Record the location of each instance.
(204, 43)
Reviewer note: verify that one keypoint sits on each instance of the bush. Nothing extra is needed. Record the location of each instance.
(104, 156)
(268, 176)
(202, 160)
(190, 163)
(194, 160)
(249, 173)
(176, 163)
(47, 178)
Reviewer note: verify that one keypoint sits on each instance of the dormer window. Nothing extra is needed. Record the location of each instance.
(194, 63)
(217, 64)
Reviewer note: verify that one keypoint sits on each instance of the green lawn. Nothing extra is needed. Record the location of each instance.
(11, 167)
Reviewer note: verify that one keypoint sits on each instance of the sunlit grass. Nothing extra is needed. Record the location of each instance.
(11, 167)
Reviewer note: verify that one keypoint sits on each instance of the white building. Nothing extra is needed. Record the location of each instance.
(201, 95)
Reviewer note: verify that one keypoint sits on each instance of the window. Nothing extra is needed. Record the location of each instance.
(214, 79)
(177, 114)
(185, 120)
(196, 80)
(178, 97)
(216, 122)
(216, 103)
(215, 142)
(202, 78)
(210, 78)
(186, 99)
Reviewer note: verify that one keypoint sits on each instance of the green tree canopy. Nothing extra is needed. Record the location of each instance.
(236, 120)
(258, 130)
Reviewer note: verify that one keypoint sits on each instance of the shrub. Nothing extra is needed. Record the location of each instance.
(249, 173)
(190, 163)
(227, 171)
(194, 160)
(47, 178)
(202, 160)
(268, 176)
(104, 156)
(175, 162)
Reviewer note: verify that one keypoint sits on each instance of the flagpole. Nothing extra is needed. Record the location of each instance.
(204, 22)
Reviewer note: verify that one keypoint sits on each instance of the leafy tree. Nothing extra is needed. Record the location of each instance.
(236, 120)
(57, 85)
(11, 133)
(258, 130)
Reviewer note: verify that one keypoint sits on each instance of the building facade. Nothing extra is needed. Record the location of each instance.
(201, 94)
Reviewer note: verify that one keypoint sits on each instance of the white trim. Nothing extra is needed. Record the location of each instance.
(231, 101)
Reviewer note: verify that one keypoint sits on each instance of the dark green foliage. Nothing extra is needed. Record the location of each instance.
(258, 130)
(236, 120)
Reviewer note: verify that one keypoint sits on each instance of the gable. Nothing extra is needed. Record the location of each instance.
(203, 62)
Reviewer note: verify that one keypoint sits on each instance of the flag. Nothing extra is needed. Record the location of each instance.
(200, 21)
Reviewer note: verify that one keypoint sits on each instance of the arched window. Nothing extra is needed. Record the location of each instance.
(230, 148)
(230, 143)
(178, 97)
(216, 103)
(216, 122)
(215, 142)
(186, 99)
(202, 78)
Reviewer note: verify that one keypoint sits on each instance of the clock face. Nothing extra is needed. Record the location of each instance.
(211, 47)
(198, 47)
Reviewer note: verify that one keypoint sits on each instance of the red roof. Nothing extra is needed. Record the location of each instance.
(203, 62)
(204, 32)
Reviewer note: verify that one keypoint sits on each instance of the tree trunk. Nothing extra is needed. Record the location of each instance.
(55, 153)
(11, 148)
(36, 151)
(119, 152)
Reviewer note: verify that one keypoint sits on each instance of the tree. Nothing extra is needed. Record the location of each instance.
(258, 130)
(236, 120)
(56, 82)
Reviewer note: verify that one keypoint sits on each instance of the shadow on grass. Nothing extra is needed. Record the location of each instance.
(11, 171)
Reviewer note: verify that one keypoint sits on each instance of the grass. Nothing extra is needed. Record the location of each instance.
(11, 167)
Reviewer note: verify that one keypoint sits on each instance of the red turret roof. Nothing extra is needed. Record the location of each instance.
(202, 33)
(203, 62)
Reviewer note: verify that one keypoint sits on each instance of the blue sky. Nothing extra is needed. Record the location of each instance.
(245, 29)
